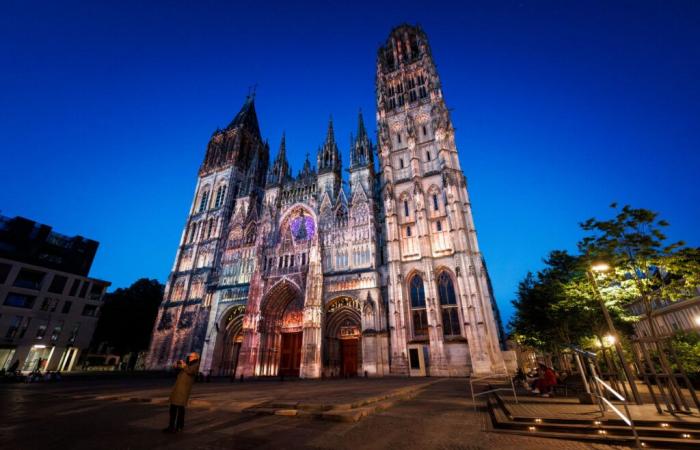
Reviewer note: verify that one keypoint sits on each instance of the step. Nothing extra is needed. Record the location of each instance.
(611, 434)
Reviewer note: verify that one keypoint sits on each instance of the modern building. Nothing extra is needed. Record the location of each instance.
(669, 316)
(48, 304)
(279, 274)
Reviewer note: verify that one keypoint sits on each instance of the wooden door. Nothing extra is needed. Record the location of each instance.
(348, 357)
(290, 359)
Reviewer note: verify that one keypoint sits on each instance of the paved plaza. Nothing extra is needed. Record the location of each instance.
(129, 414)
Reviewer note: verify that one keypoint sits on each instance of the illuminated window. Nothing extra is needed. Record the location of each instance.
(448, 304)
(418, 312)
(204, 201)
(220, 194)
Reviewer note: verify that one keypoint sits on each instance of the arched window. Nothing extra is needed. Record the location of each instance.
(203, 202)
(193, 232)
(220, 194)
(448, 304)
(418, 312)
(211, 228)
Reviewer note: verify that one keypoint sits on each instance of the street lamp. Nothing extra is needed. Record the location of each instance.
(611, 338)
(600, 267)
(697, 320)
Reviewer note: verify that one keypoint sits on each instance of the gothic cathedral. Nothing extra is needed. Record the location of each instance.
(279, 274)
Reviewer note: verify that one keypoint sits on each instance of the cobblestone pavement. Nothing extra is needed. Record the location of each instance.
(439, 417)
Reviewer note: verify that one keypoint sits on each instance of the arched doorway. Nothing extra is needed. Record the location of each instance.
(281, 330)
(229, 342)
(343, 349)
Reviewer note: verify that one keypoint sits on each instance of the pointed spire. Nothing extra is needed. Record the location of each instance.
(361, 148)
(247, 118)
(361, 132)
(330, 135)
(282, 154)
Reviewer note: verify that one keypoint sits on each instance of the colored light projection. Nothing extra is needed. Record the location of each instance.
(303, 228)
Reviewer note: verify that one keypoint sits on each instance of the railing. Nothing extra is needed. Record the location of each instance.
(494, 376)
(402, 174)
(599, 388)
(431, 166)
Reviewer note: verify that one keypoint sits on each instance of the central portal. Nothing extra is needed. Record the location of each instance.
(348, 367)
(290, 358)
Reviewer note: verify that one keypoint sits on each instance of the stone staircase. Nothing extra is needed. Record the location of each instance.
(662, 434)
(340, 412)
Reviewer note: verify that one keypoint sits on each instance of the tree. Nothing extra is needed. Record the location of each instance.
(555, 308)
(127, 317)
(644, 265)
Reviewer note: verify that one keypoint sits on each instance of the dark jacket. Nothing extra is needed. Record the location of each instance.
(183, 385)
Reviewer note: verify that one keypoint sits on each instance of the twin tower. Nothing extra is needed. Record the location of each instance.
(283, 274)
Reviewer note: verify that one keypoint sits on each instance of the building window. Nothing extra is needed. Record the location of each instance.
(58, 284)
(74, 287)
(84, 289)
(418, 312)
(405, 207)
(448, 303)
(193, 232)
(435, 202)
(25, 326)
(96, 291)
(14, 327)
(401, 163)
(220, 194)
(398, 139)
(29, 279)
(408, 231)
(56, 331)
(211, 228)
(41, 330)
(204, 201)
(20, 300)
(74, 333)
(438, 225)
(49, 304)
(66, 307)
(90, 310)
(4, 272)
(427, 153)
(425, 133)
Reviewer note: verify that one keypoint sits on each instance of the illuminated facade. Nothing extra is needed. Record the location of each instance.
(295, 275)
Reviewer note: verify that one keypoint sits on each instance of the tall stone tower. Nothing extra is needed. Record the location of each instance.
(441, 316)
(233, 172)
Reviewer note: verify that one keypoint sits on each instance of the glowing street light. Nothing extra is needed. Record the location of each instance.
(600, 267)
(611, 338)
(697, 320)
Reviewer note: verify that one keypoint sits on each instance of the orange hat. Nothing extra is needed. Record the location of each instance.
(193, 356)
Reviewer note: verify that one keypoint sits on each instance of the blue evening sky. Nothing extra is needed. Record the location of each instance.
(561, 107)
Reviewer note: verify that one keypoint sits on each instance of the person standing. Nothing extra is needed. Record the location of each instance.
(181, 392)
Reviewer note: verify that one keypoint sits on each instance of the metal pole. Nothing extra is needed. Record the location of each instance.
(618, 346)
(577, 357)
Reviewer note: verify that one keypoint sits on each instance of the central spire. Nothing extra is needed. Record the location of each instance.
(328, 158)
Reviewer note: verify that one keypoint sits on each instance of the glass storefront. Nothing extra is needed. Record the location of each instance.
(38, 358)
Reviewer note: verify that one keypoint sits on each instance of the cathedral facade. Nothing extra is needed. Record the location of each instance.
(278, 274)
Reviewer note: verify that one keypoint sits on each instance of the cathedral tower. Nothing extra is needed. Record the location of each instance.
(440, 310)
(234, 167)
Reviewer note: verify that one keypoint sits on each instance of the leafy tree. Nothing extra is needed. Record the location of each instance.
(127, 317)
(645, 266)
(556, 308)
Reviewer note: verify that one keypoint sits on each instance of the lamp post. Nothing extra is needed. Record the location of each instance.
(600, 268)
